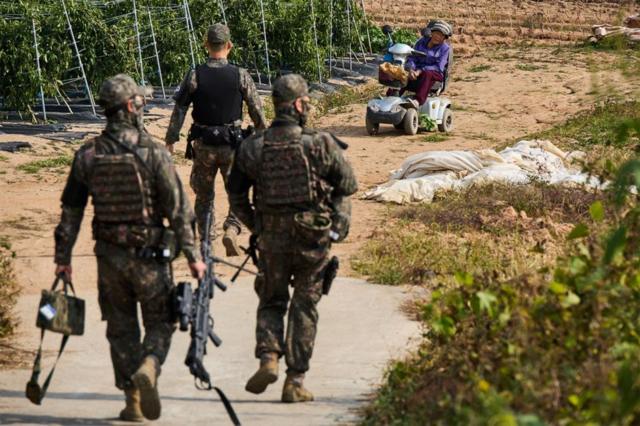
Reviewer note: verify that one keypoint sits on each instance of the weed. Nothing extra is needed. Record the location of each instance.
(35, 167)
(436, 137)
(345, 97)
(479, 68)
(528, 67)
(3, 158)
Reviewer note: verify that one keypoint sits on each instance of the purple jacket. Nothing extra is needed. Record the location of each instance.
(436, 59)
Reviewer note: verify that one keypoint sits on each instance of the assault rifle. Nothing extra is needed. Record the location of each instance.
(192, 309)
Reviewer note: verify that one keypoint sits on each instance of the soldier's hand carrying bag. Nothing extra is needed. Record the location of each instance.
(62, 313)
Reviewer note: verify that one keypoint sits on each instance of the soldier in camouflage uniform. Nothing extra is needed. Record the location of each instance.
(217, 90)
(134, 188)
(301, 183)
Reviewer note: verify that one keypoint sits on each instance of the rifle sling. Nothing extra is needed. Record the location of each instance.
(227, 405)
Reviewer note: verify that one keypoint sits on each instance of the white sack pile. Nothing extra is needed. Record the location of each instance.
(422, 175)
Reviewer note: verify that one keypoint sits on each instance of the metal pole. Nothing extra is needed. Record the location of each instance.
(137, 28)
(35, 45)
(75, 47)
(349, 29)
(315, 38)
(193, 31)
(224, 16)
(155, 49)
(266, 45)
(330, 38)
(355, 25)
(364, 12)
(186, 20)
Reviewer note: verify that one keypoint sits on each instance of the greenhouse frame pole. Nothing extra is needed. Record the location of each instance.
(266, 45)
(224, 15)
(349, 29)
(186, 20)
(315, 38)
(193, 31)
(35, 45)
(330, 38)
(355, 26)
(75, 47)
(136, 26)
(155, 49)
(364, 12)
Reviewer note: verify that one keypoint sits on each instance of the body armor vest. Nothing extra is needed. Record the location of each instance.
(119, 192)
(285, 174)
(217, 100)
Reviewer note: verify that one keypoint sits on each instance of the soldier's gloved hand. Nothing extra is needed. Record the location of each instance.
(64, 269)
(197, 269)
(169, 147)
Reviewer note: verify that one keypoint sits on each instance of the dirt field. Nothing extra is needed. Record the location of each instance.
(498, 96)
(503, 22)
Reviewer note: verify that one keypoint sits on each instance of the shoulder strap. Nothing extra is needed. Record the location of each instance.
(34, 392)
(131, 150)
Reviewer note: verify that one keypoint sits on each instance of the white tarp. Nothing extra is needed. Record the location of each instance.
(422, 175)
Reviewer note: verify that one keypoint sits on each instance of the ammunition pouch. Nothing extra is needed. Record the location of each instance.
(312, 229)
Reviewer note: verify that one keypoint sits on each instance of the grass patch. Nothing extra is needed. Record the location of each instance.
(597, 126)
(435, 137)
(3, 158)
(479, 68)
(528, 67)
(509, 230)
(34, 167)
(345, 97)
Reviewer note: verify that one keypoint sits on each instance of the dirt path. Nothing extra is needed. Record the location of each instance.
(497, 97)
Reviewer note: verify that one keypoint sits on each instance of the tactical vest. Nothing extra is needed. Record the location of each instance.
(217, 100)
(286, 177)
(119, 190)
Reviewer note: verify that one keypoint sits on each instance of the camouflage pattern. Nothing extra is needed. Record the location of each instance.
(218, 34)
(119, 89)
(124, 281)
(206, 164)
(183, 98)
(288, 88)
(288, 254)
(124, 278)
(209, 159)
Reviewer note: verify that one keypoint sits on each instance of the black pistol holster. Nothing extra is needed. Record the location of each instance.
(330, 273)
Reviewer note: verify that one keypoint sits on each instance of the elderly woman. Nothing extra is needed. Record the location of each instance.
(424, 71)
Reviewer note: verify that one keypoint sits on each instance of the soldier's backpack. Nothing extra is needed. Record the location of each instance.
(61, 313)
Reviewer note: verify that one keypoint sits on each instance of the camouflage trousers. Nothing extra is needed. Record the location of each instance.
(123, 282)
(206, 163)
(281, 269)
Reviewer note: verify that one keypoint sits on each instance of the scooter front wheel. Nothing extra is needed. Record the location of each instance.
(410, 122)
(372, 128)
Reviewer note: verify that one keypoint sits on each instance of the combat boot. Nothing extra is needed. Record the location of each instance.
(146, 380)
(294, 390)
(132, 411)
(266, 374)
(230, 243)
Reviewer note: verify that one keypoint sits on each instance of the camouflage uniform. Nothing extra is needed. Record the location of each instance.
(292, 170)
(128, 227)
(209, 159)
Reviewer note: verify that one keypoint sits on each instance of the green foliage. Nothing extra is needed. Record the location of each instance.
(37, 166)
(380, 42)
(560, 346)
(106, 38)
(427, 122)
(436, 137)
